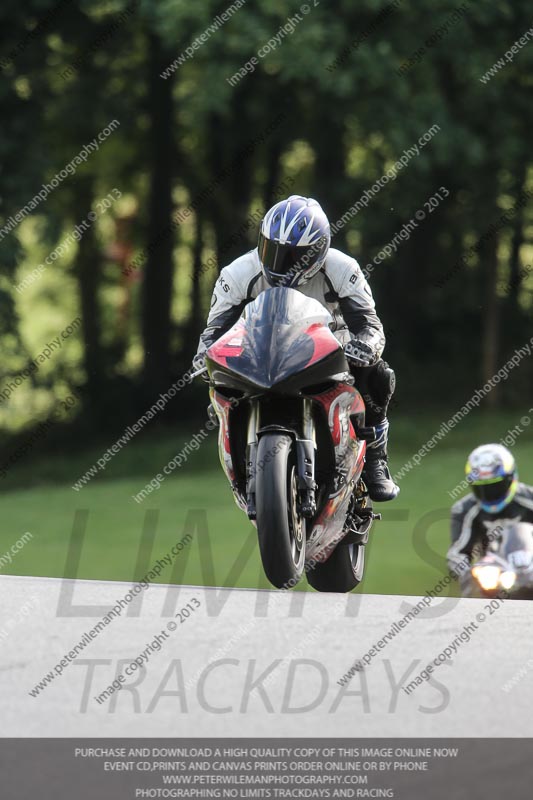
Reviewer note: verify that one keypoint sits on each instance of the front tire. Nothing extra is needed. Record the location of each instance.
(280, 526)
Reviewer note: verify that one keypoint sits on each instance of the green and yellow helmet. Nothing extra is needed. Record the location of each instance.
(491, 471)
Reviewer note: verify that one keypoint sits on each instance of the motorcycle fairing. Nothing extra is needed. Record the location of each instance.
(517, 549)
(339, 404)
(223, 407)
(512, 550)
(283, 341)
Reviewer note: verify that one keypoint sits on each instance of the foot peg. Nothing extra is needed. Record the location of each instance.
(212, 414)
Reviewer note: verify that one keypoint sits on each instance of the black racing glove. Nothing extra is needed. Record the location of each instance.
(360, 353)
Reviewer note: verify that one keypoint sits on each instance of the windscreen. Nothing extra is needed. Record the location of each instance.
(274, 341)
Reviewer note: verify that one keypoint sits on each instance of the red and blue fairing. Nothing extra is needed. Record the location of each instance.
(283, 342)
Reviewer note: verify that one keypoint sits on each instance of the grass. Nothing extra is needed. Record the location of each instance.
(406, 554)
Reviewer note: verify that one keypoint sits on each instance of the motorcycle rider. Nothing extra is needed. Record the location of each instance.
(294, 251)
(497, 499)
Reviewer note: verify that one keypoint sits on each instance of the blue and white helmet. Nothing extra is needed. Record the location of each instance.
(491, 471)
(293, 241)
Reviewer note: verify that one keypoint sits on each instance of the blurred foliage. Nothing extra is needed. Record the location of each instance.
(329, 111)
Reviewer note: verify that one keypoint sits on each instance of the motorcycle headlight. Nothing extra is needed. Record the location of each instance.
(487, 576)
(507, 579)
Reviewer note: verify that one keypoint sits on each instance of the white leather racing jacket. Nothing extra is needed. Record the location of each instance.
(340, 286)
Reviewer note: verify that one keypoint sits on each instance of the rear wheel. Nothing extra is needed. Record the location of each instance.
(280, 526)
(344, 569)
(342, 572)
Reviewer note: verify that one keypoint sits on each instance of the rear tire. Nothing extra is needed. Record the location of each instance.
(342, 572)
(280, 528)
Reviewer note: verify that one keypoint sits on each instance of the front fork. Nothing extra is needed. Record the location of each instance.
(251, 458)
(305, 452)
(305, 449)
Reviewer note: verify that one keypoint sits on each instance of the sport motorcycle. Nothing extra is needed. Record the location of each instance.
(507, 565)
(288, 412)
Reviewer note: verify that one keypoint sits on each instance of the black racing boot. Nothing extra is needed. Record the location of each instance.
(376, 472)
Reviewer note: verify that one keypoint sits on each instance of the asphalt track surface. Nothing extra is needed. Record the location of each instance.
(206, 680)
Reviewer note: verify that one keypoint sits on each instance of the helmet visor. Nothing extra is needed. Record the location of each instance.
(283, 260)
(492, 492)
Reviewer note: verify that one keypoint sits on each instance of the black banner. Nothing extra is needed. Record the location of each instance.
(406, 769)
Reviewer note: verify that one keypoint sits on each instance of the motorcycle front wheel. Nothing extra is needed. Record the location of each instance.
(280, 526)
